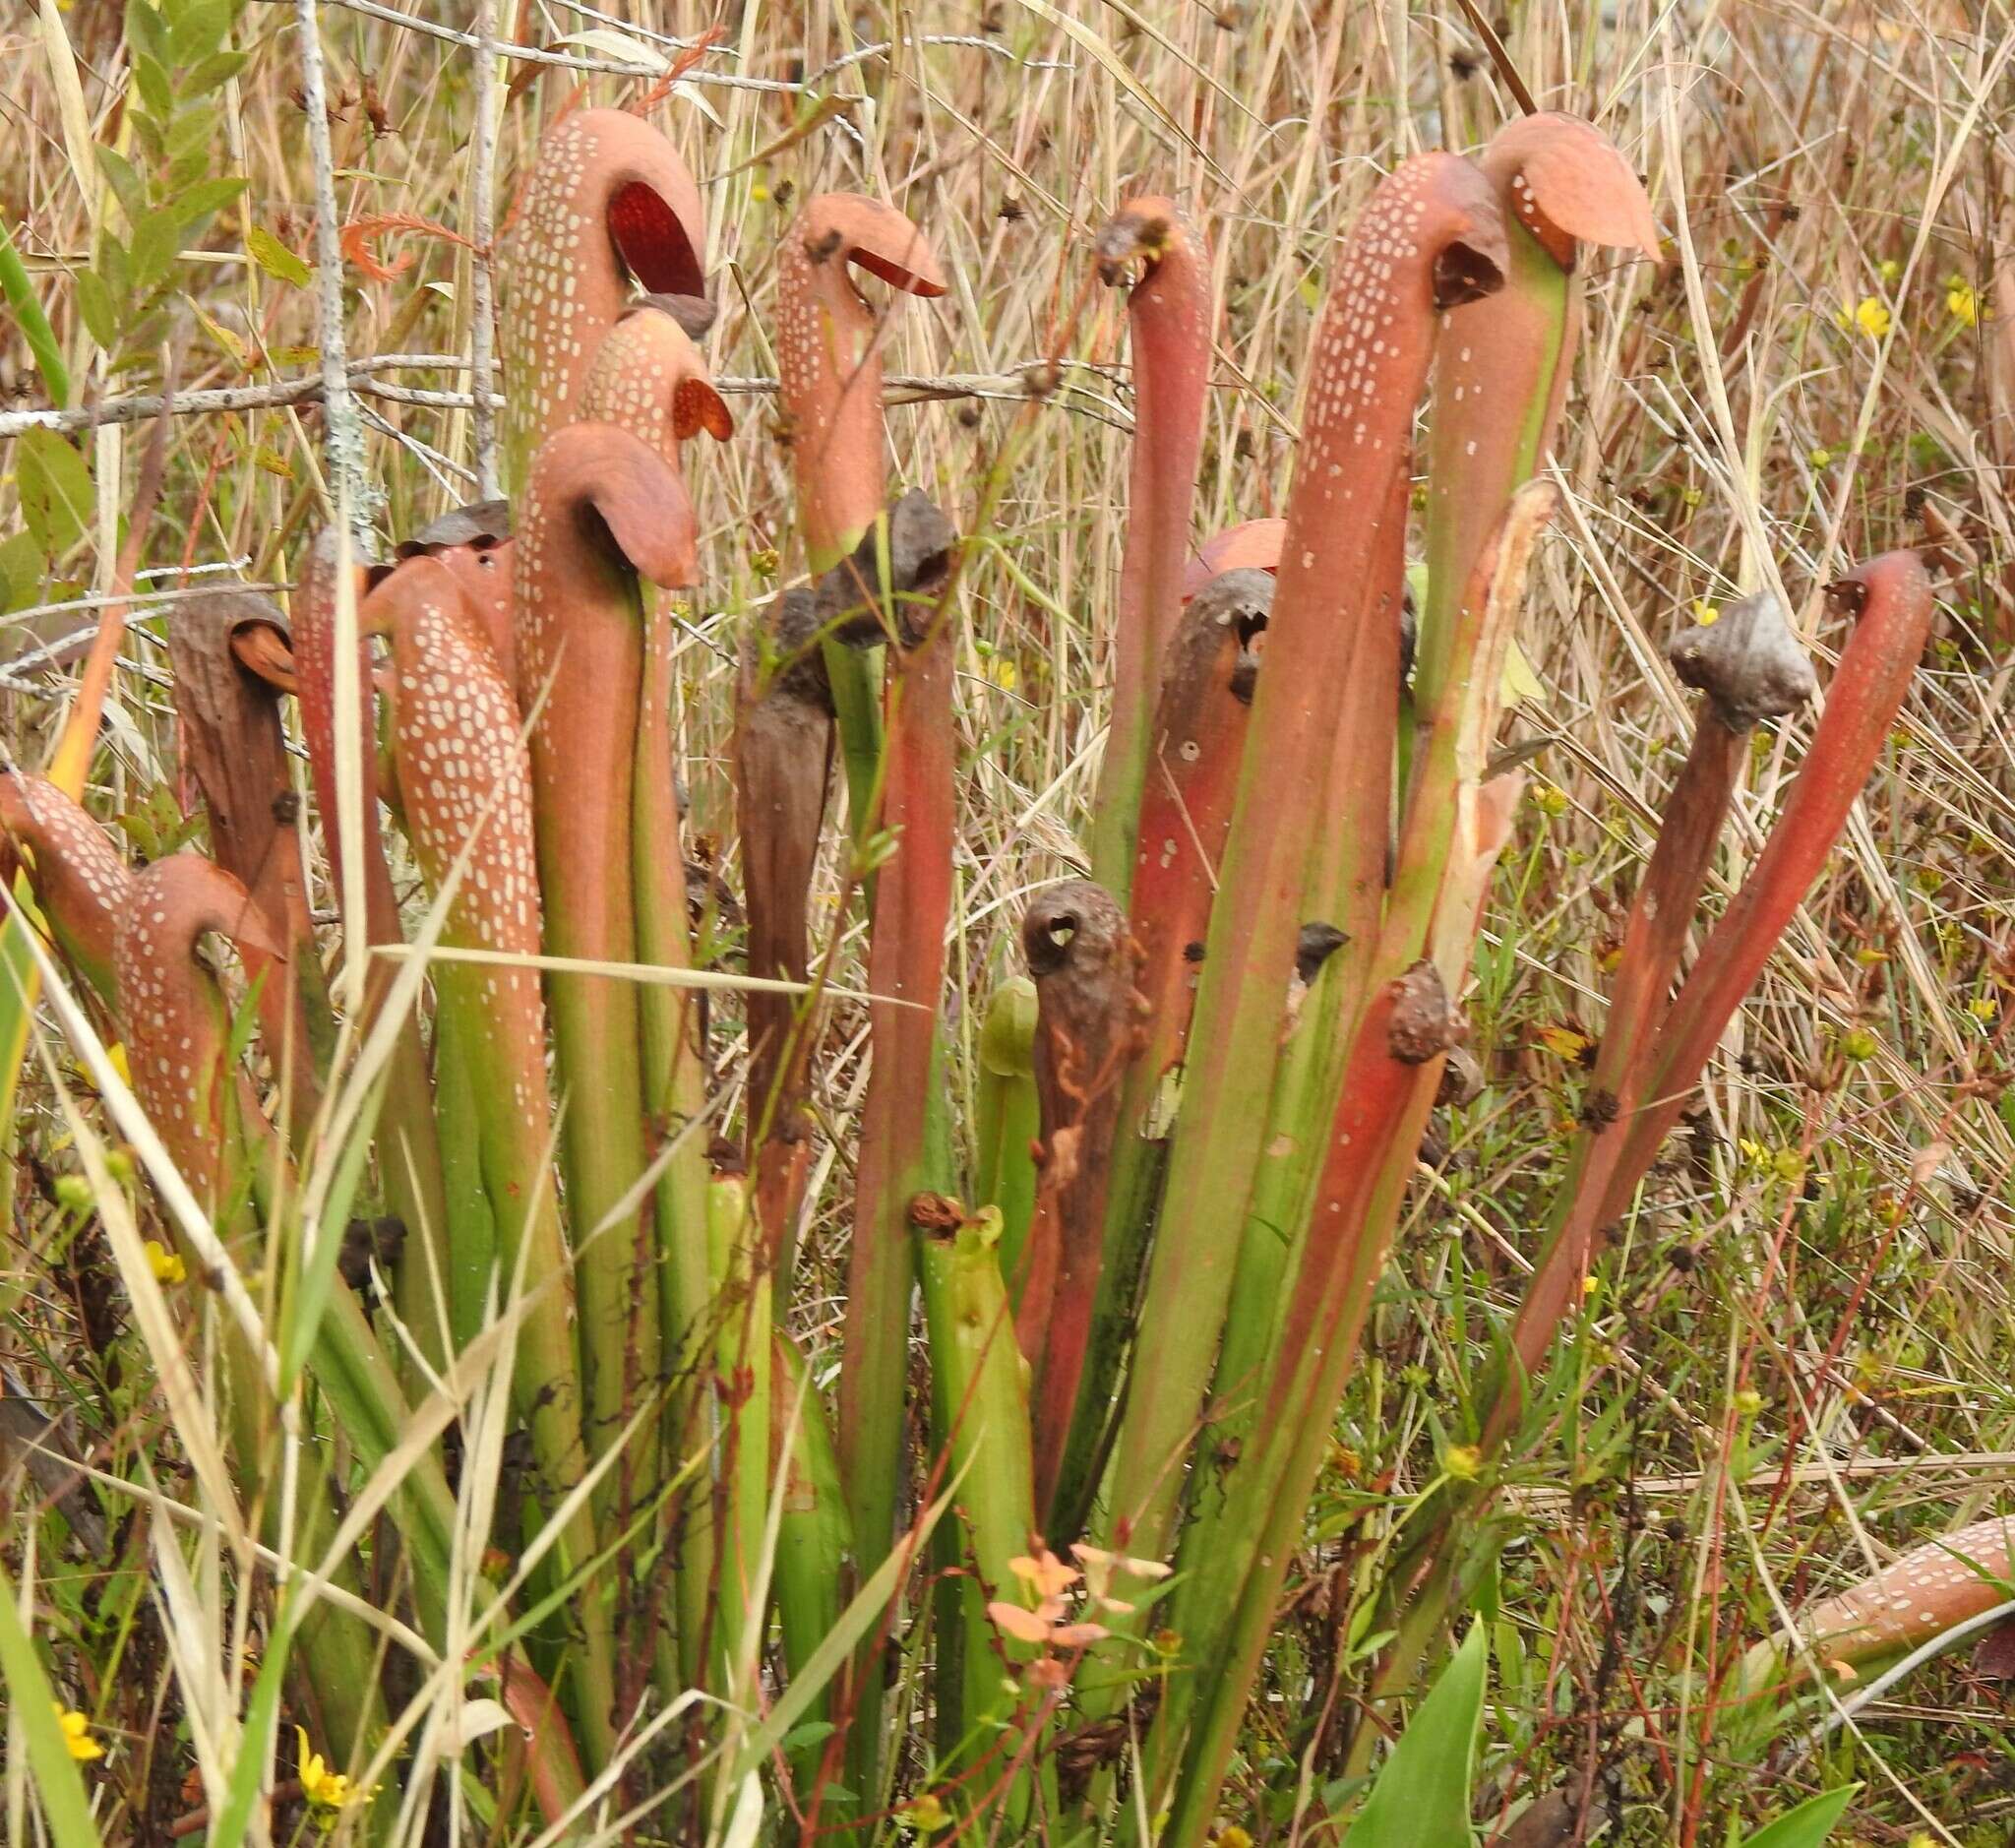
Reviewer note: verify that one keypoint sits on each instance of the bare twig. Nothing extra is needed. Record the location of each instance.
(342, 432)
(1035, 377)
(483, 327)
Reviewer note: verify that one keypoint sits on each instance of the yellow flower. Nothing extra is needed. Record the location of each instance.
(323, 1788)
(1984, 1008)
(1962, 303)
(1871, 317)
(77, 1733)
(1705, 612)
(1463, 1461)
(1748, 1403)
(1547, 800)
(1590, 1285)
(1819, 458)
(1563, 1042)
(926, 1814)
(1888, 269)
(759, 193)
(167, 1267)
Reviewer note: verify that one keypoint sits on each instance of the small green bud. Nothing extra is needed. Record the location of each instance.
(1007, 1037)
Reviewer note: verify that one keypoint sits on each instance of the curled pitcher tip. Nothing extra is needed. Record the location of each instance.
(1569, 183)
(852, 227)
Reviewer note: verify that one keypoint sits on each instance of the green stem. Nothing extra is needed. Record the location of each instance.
(744, 1359)
(1008, 1114)
(814, 1541)
(980, 1427)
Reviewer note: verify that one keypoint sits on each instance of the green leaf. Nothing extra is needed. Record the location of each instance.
(127, 188)
(194, 131)
(150, 76)
(157, 241)
(20, 295)
(145, 32)
(826, 1661)
(56, 493)
(21, 575)
(113, 266)
(273, 257)
(203, 199)
(94, 304)
(213, 72)
(1808, 1825)
(199, 30)
(1422, 1795)
(56, 1777)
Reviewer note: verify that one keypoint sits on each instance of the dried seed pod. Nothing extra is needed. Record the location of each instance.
(1085, 962)
(1746, 661)
(848, 599)
(233, 741)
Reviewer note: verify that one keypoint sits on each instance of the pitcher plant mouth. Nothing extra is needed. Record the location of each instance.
(609, 208)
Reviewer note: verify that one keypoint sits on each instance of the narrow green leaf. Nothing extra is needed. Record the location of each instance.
(157, 239)
(127, 186)
(865, 1610)
(200, 201)
(49, 1762)
(94, 304)
(199, 30)
(34, 325)
(273, 257)
(212, 73)
(146, 30)
(1422, 1795)
(1808, 1825)
(151, 77)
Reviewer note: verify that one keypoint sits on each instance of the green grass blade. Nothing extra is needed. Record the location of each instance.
(55, 1771)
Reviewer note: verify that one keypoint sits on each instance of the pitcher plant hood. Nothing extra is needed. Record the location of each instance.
(609, 201)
